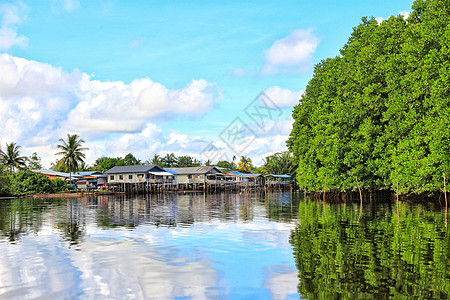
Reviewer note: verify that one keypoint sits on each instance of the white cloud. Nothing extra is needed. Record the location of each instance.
(11, 16)
(283, 284)
(380, 20)
(283, 97)
(405, 14)
(136, 43)
(70, 5)
(264, 142)
(291, 54)
(40, 103)
(120, 107)
(34, 97)
(65, 5)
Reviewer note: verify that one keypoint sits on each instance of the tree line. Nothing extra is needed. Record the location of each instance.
(16, 177)
(379, 112)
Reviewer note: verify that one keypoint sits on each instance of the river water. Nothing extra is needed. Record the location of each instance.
(221, 246)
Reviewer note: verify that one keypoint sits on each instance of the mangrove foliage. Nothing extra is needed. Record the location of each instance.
(380, 111)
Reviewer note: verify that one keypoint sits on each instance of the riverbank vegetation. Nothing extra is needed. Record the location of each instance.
(17, 179)
(25, 182)
(380, 111)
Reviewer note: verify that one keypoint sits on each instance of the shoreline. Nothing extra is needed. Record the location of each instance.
(72, 194)
(59, 195)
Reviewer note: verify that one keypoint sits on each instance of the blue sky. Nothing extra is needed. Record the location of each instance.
(152, 77)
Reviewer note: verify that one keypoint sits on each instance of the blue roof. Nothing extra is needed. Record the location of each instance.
(235, 172)
(171, 171)
(51, 172)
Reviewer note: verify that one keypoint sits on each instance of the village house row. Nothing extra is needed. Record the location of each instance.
(153, 178)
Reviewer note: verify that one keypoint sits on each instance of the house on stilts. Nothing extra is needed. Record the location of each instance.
(198, 178)
(139, 178)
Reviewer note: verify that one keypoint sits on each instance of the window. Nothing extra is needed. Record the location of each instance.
(111, 177)
(130, 176)
(120, 177)
(189, 176)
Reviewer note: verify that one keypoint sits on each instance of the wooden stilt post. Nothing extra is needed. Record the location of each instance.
(360, 198)
(398, 212)
(445, 196)
(305, 199)
(324, 189)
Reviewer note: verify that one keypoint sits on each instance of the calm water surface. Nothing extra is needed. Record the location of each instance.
(223, 246)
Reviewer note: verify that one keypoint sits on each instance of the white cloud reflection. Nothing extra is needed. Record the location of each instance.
(202, 257)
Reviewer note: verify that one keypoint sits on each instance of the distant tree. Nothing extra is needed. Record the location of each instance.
(281, 163)
(58, 165)
(34, 162)
(85, 167)
(103, 164)
(170, 160)
(226, 165)
(72, 153)
(11, 157)
(260, 170)
(245, 164)
(208, 163)
(130, 160)
(156, 160)
(187, 161)
(196, 162)
(4, 183)
(98, 165)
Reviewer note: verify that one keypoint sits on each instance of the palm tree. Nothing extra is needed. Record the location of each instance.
(11, 158)
(72, 152)
(280, 163)
(156, 160)
(170, 160)
(245, 164)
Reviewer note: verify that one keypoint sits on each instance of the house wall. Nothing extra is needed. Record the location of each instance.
(194, 178)
(197, 178)
(136, 178)
(82, 184)
(182, 179)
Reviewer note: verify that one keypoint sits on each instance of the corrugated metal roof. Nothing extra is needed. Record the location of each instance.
(51, 172)
(194, 170)
(87, 173)
(171, 171)
(278, 176)
(134, 169)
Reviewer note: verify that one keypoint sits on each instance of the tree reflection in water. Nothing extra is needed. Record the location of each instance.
(379, 257)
